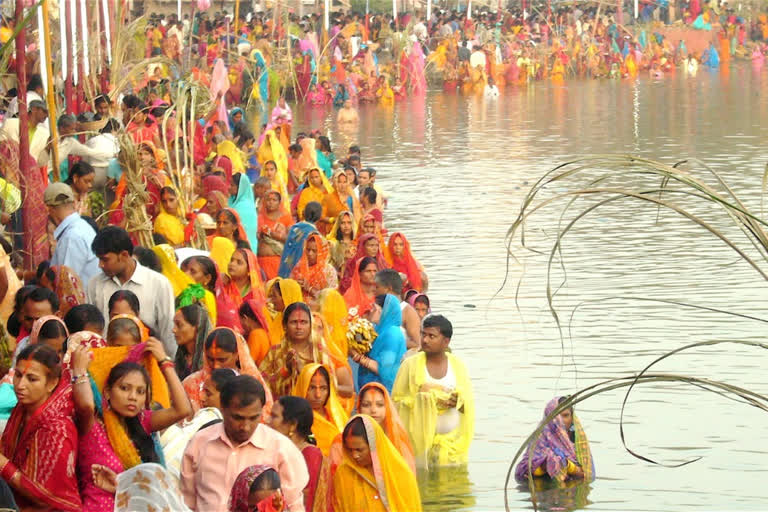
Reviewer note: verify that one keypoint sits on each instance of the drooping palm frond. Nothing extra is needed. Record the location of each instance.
(665, 186)
(724, 389)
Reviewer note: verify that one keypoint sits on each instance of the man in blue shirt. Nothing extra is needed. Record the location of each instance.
(73, 234)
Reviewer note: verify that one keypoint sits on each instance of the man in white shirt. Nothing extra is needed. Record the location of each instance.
(106, 148)
(69, 145)
(120, 271)
(34, 92)
(38, 132)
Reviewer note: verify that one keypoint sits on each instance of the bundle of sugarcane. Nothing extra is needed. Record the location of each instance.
(137, 221)
(190, 101)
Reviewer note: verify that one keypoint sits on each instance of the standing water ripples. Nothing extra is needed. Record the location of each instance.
(456, 169)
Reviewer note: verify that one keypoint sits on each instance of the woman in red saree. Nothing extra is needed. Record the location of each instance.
(39, 444)
(404, 262)
(367, 245)
(274, 221)
(243, 278)
(362, 290)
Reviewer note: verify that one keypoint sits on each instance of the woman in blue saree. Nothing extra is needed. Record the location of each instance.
(383, 361)
(245, 206)
(294, 247)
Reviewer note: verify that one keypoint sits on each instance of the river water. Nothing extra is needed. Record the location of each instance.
(456, 169)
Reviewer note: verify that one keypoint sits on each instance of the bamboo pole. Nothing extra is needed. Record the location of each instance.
(31, 182)
(50, 95)
(237, 20)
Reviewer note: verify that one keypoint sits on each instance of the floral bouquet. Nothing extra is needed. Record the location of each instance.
(360, 333)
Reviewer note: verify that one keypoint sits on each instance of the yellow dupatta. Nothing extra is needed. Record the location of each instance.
(290, 291)
(228, 149)
(387, 486)
(326, 427)
(419, 410)
(106, 358)
(222, 250)
(313, 193)
(179, 280)
(334, 311)
(272, 149)
(170, 226)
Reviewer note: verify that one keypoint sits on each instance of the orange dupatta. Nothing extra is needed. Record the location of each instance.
(313, 276)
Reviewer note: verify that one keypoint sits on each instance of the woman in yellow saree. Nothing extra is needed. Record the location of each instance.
(185, 289)
(316, 190)
(228, 149)
(373, 476)
(334, 311)
(317, 385)
(272, 149)
(281, 293)
(169, 222)
(299, 347)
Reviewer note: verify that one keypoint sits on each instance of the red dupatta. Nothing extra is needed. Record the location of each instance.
(45, 451)
(256, 284)
(405, 264)
(355, 296)
(351, 269)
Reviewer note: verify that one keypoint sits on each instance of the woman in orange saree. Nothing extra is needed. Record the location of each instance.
(317, 384)
(367, 245)
(224, 348)
(274, 221)
(340, 199)
(314, 272)
(253, 318)
(228, 226)
(362, 290)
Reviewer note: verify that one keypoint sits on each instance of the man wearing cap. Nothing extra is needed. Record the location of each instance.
(38, 132)
(73, 235)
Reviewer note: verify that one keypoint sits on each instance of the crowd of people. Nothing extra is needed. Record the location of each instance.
(381, 59)
(273, 348)
(261, 341)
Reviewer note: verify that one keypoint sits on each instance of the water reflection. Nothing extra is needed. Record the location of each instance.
(455, 171)
(558, 496)
(446, 489)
